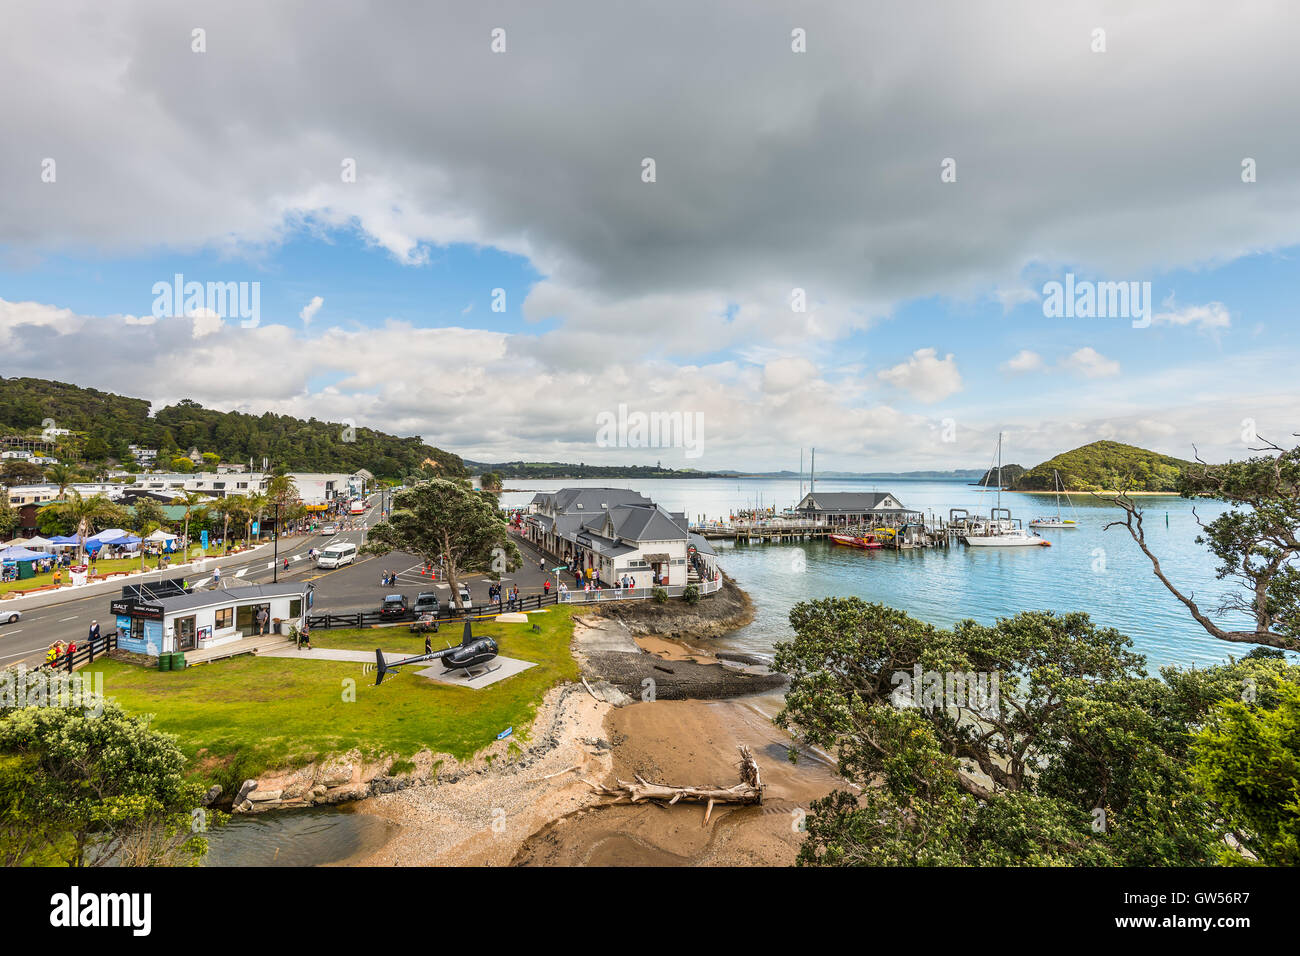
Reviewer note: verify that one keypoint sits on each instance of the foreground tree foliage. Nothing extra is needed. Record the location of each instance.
(1081, 760)
(80, 788)
(447, 523)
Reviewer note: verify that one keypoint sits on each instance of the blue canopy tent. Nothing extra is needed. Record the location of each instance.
(64, 539)
(21, 559)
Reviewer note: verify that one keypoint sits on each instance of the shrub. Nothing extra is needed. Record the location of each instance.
(660, 595)
(691, 595)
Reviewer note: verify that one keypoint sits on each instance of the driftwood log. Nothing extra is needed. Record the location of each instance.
(749, 790)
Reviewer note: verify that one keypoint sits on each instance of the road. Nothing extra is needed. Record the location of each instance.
(350, 588)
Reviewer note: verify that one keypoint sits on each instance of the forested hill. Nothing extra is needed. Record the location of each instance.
(103, 424)
(1106, 466)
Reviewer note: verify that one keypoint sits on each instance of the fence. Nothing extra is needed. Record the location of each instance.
(84, 654)
(446, 612)
(602, 595)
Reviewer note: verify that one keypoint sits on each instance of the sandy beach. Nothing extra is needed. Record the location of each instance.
(541, 808)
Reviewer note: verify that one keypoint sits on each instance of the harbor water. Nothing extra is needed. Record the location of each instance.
(1088, 568)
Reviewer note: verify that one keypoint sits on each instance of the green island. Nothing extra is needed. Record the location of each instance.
(1100, 466)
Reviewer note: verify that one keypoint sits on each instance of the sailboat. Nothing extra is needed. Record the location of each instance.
(1001, 530)
(1058, 521)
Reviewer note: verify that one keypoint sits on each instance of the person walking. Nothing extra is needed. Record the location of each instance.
(546, 587)
(93, 636)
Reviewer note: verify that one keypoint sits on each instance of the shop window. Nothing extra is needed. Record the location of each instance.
(225, 617)
(295, 607)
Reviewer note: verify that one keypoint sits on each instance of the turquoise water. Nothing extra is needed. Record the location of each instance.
(1086, 569)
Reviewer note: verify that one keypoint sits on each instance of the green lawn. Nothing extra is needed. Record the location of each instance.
(104, 567)
(237, 718)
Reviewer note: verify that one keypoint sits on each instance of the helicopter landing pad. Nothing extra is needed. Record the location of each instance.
(504, 667)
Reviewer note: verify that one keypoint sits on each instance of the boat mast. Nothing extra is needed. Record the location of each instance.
(999, 469)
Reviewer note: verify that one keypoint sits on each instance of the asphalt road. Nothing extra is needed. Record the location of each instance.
(353, 587)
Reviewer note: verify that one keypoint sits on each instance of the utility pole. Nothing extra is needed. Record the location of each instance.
(275, 538)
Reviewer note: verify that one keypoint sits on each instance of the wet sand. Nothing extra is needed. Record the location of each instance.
(689, 743)
(542, 810)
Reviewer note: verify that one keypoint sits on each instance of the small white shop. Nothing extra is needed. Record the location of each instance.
(203, 619)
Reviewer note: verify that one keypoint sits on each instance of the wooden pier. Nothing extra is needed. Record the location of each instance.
(912, 535)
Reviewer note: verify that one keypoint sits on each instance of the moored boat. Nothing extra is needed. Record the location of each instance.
(866, 541)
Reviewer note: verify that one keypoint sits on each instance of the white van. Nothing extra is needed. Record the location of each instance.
(337, 555)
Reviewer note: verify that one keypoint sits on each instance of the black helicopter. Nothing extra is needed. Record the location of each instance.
(466, 656)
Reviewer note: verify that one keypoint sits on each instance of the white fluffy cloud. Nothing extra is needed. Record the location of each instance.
(1090, 363)
(1023, 361)
(310, 309)
(1210, 316)
(925, 376)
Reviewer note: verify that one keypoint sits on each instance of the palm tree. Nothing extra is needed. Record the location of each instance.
(189, 499)
(256, 504)
(85, 514)
(228, 507)
(61, 475)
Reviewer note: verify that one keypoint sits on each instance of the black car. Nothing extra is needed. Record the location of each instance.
(426, 602)
(395, 608)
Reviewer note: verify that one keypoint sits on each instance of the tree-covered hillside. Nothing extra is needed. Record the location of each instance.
(104, 424)
(1106, 466)
(1010, 475)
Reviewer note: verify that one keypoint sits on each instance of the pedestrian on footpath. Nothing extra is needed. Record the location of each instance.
(93, 636)
(546, 587)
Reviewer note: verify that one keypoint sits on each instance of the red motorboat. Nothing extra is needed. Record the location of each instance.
(856, 541)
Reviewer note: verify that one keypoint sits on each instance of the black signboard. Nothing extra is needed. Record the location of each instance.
(143, 612)
(148, 612)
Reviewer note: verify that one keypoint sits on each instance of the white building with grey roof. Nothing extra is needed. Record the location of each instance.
(615, 532)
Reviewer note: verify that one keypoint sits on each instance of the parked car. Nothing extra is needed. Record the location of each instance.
(395, 607)
(426, 602)
(10, 617)
(465, 596)
(423, 623)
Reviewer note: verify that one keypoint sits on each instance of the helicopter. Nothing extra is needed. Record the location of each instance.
(466, 656)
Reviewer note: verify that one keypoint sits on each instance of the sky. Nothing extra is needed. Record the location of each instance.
(846, 238)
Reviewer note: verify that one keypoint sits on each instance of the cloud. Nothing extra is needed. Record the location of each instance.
(1022, 361)
(1090, 363)
(524, 153)
(925, 376)
(1210, 316)
(310, 309)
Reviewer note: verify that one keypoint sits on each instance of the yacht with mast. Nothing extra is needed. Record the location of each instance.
(1000, 530)
(1057, 521)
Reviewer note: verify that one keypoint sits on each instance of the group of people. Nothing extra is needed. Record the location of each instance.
(60, 651)
(495, 590)
(388, 579)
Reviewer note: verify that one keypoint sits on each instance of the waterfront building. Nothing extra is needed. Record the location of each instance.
(616, 532)
(869, 509)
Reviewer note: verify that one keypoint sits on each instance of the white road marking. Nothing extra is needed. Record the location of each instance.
(63, 620)
(241, 572)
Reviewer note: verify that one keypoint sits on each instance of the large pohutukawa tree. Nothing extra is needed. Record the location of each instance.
(1257, 542)
(1081, 759)
(447, 523)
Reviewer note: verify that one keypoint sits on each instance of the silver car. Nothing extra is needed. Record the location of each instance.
(10, 617)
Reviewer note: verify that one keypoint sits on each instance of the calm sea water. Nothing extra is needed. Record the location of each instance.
(1086, 569)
